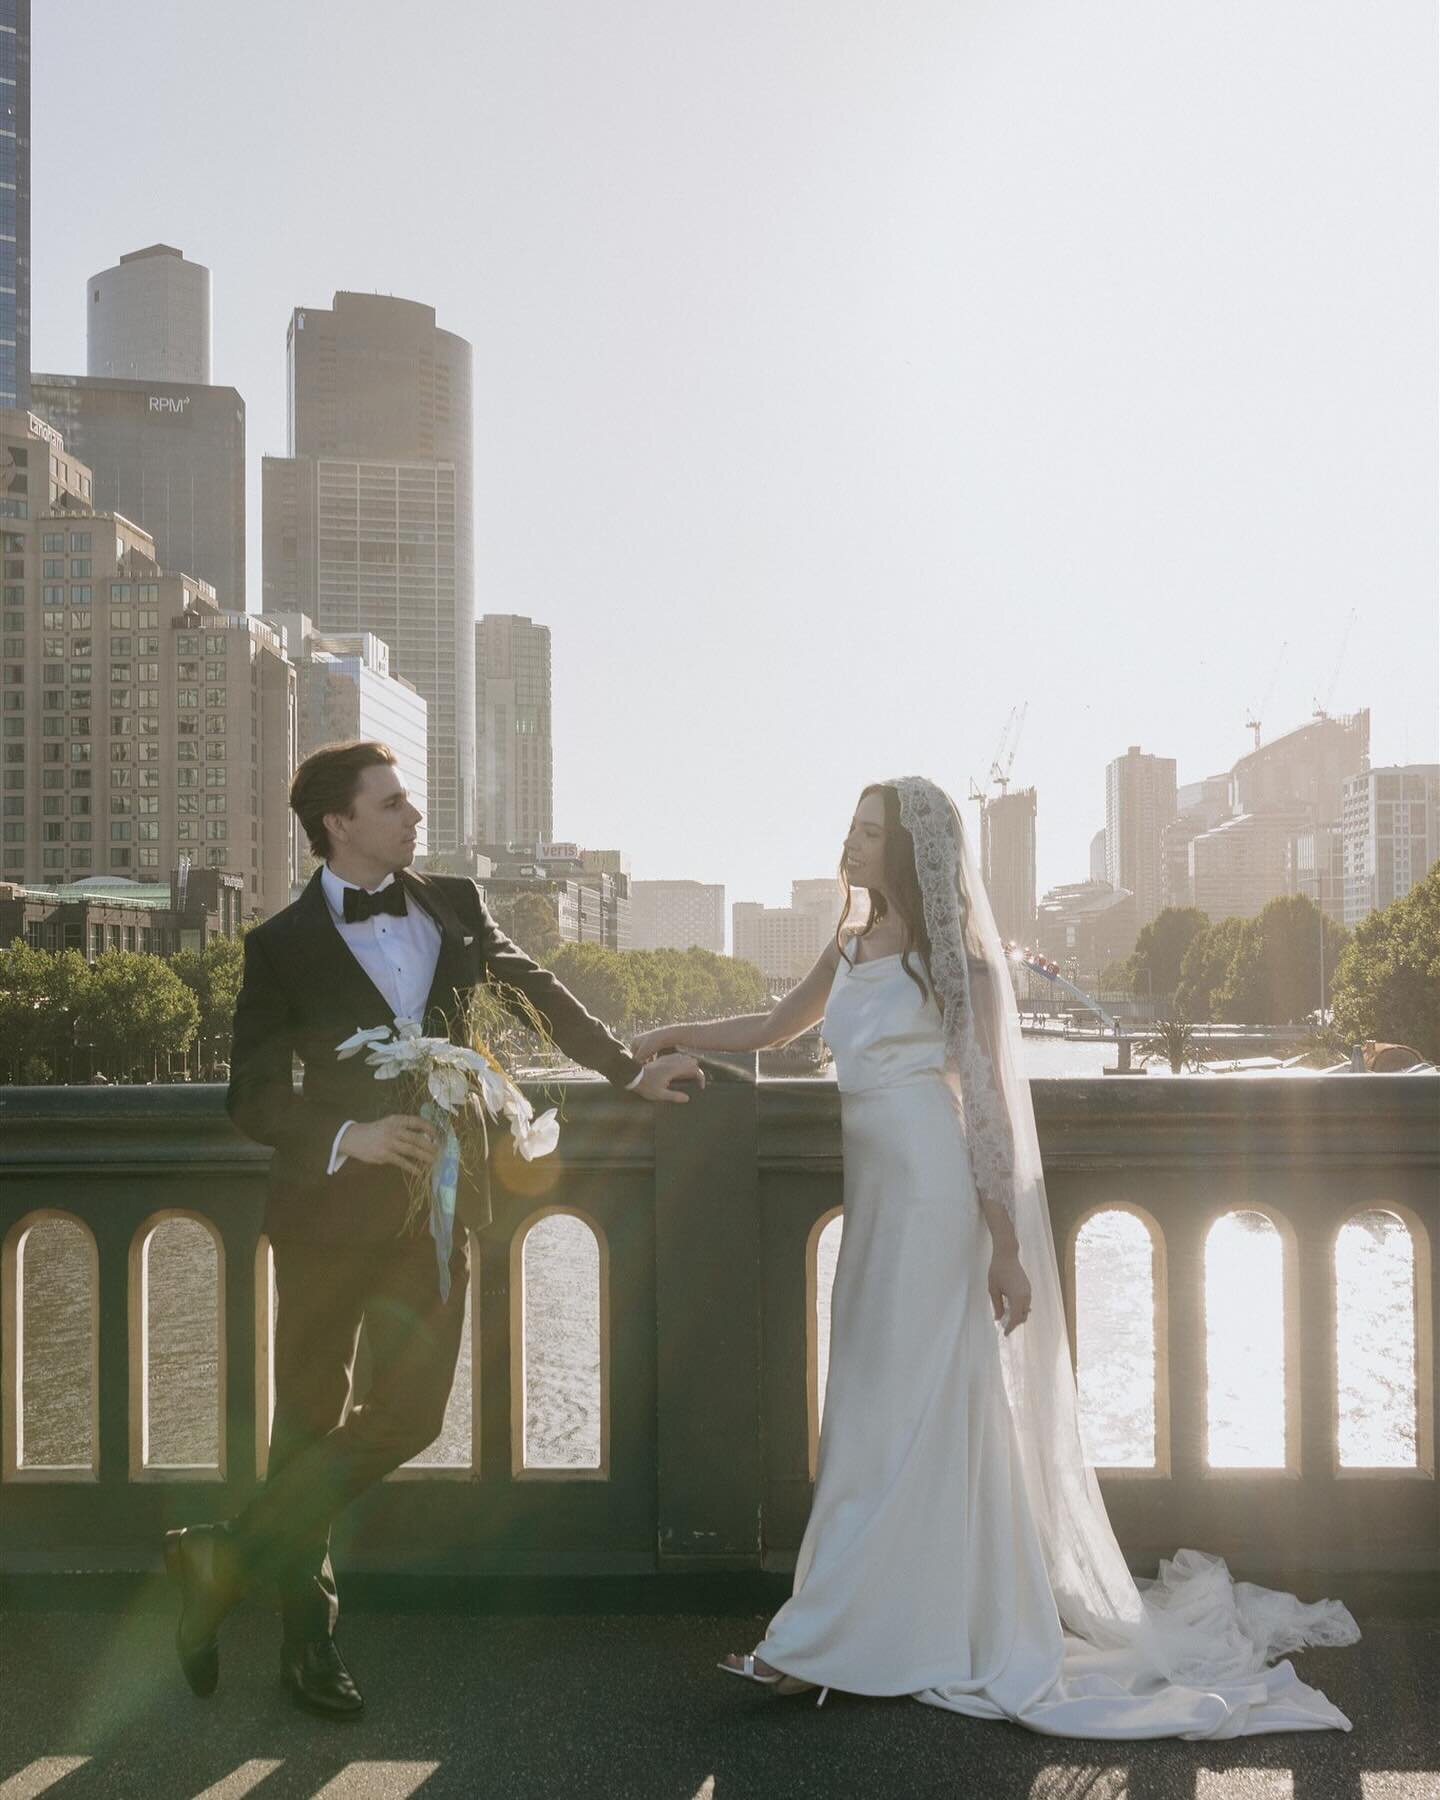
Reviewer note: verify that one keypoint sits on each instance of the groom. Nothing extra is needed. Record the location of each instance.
(368, 942)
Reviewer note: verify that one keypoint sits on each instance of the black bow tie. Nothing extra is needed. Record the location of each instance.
(360, 905)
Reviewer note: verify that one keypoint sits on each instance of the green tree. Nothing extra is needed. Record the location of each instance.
(1205, 968)
(1387, 985)
(529, 918)
(40, 994)
(599, 979)
(213, 975)
(1160, 950)
(1274, 977)
(137, 1013)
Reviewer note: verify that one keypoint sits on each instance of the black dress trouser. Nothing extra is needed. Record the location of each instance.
(324, 1450)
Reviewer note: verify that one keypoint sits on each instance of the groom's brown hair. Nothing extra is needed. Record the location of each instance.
(326, 782)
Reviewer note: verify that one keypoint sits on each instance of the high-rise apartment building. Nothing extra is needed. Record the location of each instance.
(141, 728)
(515, 755)
(678, 915)
(368, 523)
(1139, 804)
(344, 689)
(14, 203)
(148, 319)
(1391, 835)
(168, 455)
(1199, 806)
(1007, 862)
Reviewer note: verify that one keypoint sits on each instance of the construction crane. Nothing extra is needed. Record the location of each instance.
(1004, 757)
(1258, 712)
(1322, 707)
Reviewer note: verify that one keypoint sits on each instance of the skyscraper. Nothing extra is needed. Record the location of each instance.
(141, 723)
(515, 756)
(14, 203)
(1007, 862)
(1139, 804)
(368, 523)
(168, 455)
(148, 318)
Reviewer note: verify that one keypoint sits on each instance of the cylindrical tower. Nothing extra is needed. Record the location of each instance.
(148, 318)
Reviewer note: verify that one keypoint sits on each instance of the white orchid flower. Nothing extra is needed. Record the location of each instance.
(448, 1087)
(352, 1046)
(538, 1137)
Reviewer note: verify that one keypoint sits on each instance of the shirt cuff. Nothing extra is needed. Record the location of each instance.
(337, 1161)
(630, 1086)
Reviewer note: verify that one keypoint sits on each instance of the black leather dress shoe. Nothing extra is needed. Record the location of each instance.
(198, 1562)
(319, 1680)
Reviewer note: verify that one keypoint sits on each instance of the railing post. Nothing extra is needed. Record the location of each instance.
(707, 1319)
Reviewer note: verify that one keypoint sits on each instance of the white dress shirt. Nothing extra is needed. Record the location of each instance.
(399, 956)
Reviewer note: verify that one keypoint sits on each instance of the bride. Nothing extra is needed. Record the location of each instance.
(958, 1549)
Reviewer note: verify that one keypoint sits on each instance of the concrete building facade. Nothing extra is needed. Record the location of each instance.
(1139, 805)
(368, 522)
(782, 941)
(1391, 835)
(148, 319)
(515, 752)
(141, 727)
(14, 203)
(678, 915)
(344, 689)
(97, 914)
(168, 455)
(1240, 866)
(1007, 862)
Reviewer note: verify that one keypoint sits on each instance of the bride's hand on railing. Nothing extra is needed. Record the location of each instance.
(1009, 1290)
(652, 1043)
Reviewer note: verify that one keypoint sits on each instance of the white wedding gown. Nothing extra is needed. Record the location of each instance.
(921, 1571)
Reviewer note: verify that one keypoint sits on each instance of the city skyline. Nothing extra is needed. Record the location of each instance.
(717, 397)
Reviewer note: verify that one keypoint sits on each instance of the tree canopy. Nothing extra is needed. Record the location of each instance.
(1387, 985)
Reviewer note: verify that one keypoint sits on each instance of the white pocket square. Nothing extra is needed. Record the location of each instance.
(468, 942)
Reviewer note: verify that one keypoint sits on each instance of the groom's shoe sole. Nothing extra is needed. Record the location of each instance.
(199, 1662)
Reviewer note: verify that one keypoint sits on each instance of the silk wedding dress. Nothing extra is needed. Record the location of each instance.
(921, 1571)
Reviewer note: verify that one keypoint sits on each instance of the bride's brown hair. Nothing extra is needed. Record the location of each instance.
(902, 892)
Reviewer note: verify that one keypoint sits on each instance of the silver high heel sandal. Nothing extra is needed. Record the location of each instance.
(782, 1684)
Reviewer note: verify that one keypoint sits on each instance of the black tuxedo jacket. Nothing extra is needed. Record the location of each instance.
(303, 993)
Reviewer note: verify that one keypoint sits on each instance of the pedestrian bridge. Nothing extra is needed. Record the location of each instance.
(624, 1478)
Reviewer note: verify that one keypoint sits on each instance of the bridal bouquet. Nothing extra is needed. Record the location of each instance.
(454, 1086)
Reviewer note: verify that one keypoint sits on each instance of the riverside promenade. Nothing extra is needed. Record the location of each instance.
(521, 1627)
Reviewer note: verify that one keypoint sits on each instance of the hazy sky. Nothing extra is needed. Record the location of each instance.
(845, 374)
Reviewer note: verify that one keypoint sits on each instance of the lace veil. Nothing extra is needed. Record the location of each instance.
(1192, 1625)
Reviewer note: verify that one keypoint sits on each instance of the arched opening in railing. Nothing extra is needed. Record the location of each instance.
(456, 1452)
(1384, 1357)
(560, 1347)
(1117, 1292)
(265, 1307)
(822, 1252)
(50, 1307)
(1251, 1330)
(177, 1349)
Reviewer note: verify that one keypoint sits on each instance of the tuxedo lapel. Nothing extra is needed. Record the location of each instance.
(329, 962)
